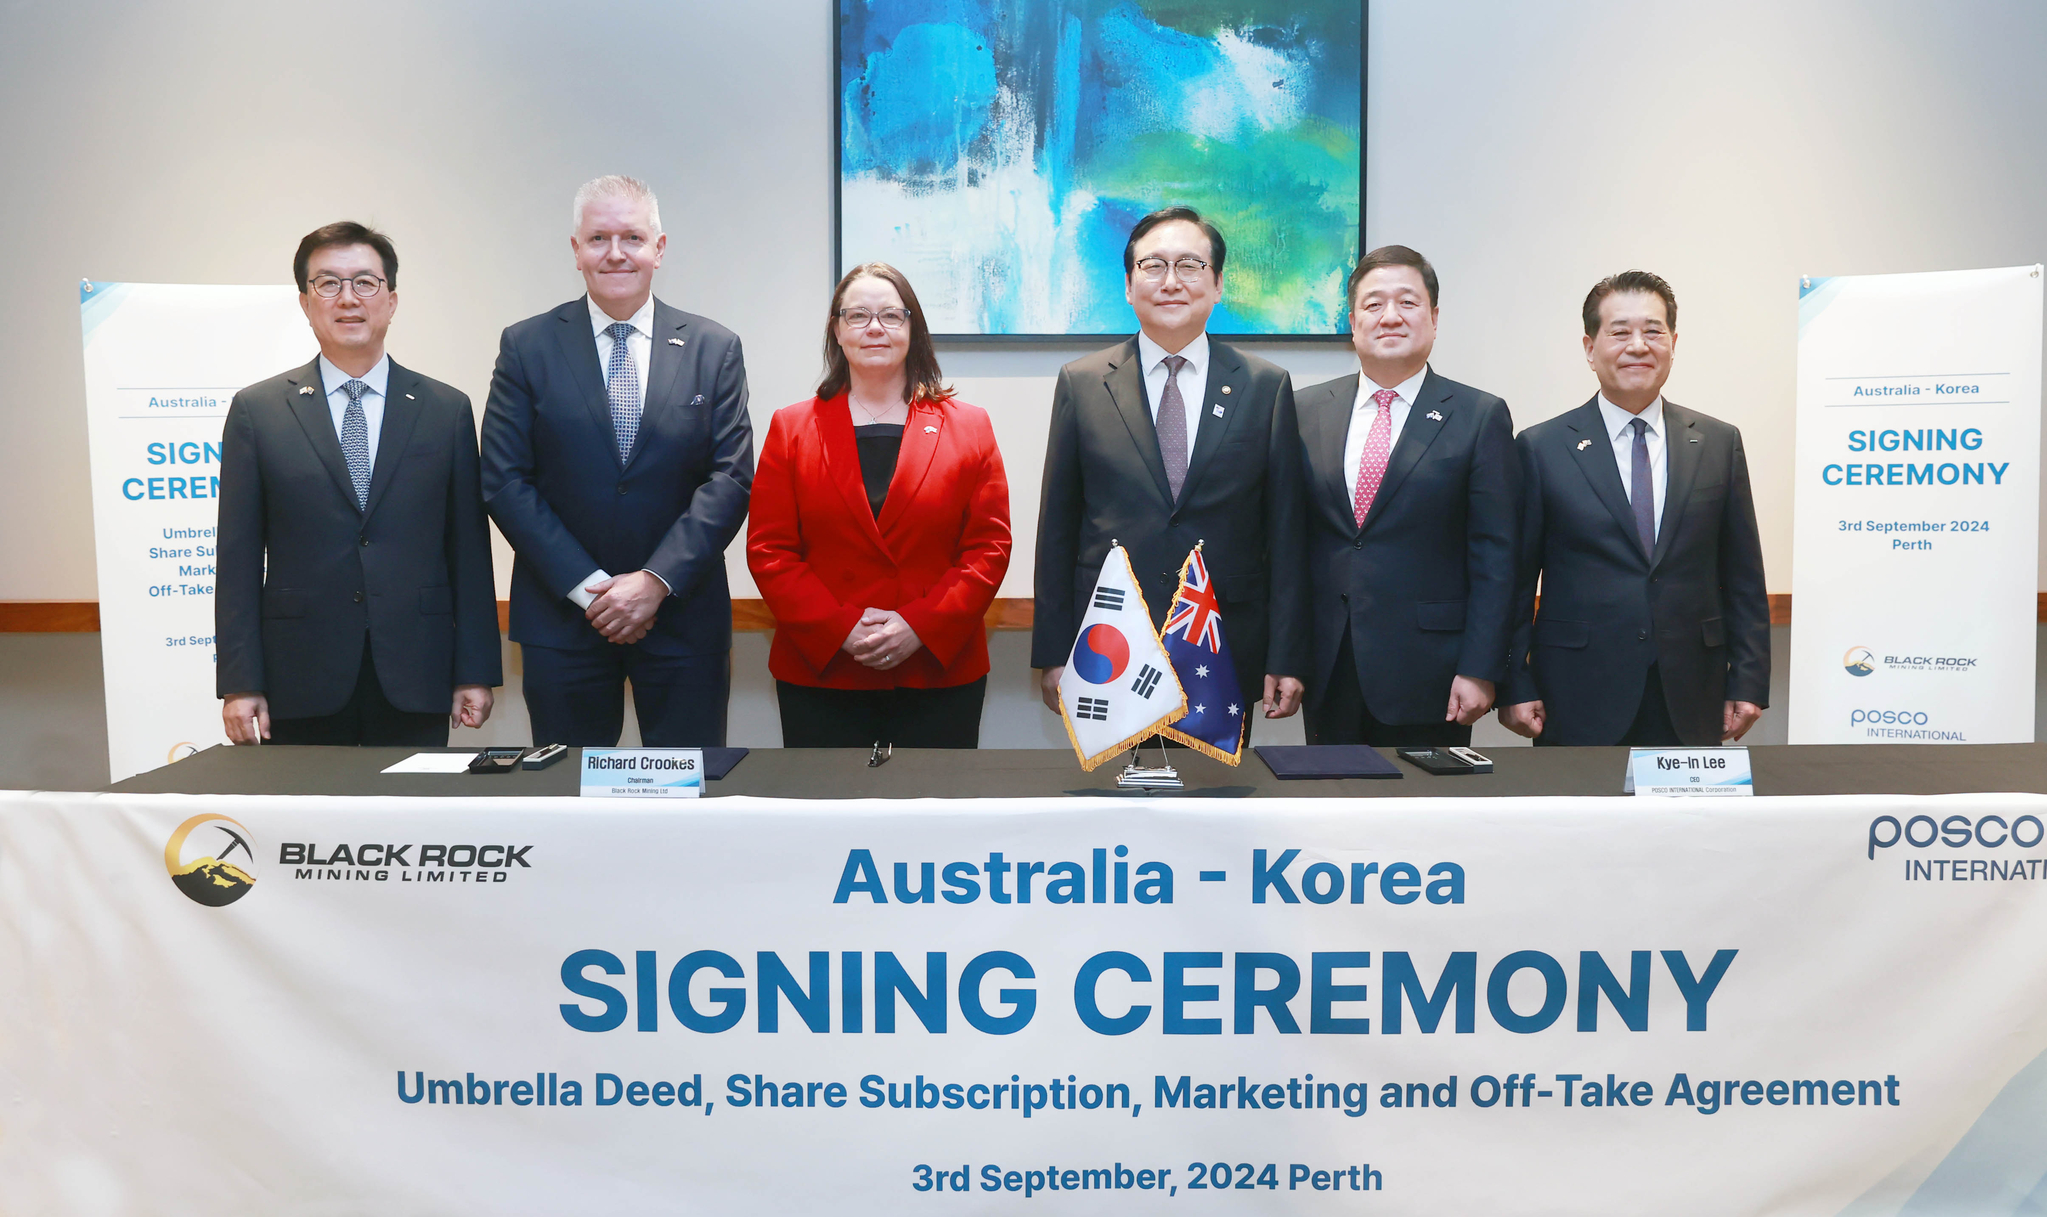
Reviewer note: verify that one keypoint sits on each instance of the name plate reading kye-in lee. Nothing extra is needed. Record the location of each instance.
(617, 773)
(1688, 771)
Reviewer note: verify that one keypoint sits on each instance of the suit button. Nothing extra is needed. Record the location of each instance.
(621, 487)
(1345, 597)
(1357, 544)
(358, 597)
(1641, 635)
(365, 542)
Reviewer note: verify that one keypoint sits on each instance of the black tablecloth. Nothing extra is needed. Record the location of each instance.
(824, 773)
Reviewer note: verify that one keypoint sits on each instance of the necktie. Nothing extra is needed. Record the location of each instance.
(622, 385)
(1372, 461)
(1642, 490)
(1172, 426)
(355, 442)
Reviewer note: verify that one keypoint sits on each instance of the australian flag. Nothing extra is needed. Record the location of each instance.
(1193, 639)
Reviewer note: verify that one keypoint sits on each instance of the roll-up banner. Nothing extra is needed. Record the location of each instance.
(1915, 538)
(162, 362)
(287, 1007)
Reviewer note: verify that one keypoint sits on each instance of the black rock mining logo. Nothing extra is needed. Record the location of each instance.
(211, 860)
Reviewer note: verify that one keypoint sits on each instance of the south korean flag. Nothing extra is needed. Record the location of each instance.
(1119, 687)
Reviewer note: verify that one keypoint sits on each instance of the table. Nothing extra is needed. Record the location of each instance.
(825, 773)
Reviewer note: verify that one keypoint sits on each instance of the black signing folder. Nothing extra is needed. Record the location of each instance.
(1290, 762)
(719, 761)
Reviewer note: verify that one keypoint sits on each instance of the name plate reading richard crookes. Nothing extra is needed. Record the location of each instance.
(1685, 771)
(617, 773)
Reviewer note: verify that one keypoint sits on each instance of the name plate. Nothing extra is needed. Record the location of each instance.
(1689, 771)
(639, 773)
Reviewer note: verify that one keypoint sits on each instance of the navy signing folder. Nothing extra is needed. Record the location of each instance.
(1290, 762)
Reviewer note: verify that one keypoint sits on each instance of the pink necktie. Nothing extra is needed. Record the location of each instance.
(1372, 462)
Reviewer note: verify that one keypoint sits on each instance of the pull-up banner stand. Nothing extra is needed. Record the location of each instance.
(1915, 553)
(162, 362)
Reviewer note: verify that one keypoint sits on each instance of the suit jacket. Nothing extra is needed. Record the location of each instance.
(302, 573)
(1105, 481)
(1697, 606)
(558, 491)
(1427, 584)
(936, 555)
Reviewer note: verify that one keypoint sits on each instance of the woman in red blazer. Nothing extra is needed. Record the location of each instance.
(878, 533)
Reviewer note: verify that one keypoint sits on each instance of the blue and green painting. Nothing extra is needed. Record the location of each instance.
(998, 152)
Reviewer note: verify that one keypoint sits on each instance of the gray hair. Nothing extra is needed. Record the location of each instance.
(616, 186)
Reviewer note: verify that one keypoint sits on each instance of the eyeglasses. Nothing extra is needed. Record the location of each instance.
(364, 285)
(1184, 269)
(861, 318)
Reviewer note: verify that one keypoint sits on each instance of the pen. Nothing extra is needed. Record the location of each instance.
(256, 729)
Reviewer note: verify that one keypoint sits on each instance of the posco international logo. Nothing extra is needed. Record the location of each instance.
(1887, 718)
(1859, 661)
(1902, 724)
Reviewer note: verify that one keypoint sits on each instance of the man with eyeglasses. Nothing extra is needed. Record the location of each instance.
(353, 596)
(1168, 439)
(617, 460)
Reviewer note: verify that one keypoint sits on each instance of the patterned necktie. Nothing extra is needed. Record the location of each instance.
(1372, 462)
(622, 385)
(1642, 490)
(1172, 426)
(355, 442)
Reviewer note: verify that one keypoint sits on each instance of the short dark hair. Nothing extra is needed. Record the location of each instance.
(1630, 281)
(1390, 255)
(344, 232)
(922, 379)
(1166, 215)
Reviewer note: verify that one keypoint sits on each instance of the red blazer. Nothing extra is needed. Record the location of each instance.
(936, 555)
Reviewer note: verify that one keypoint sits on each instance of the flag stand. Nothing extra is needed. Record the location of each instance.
(1160, 777)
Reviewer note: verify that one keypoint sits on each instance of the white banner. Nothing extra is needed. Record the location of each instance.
(1916, 530)
(162, 362)
(214, 1005)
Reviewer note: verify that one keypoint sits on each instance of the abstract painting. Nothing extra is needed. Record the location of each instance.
(998, 152)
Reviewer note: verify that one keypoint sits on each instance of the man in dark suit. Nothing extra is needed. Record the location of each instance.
(1412, 488)
(1637, 519)
(353, 598)
(1169, 439)
(617, 459)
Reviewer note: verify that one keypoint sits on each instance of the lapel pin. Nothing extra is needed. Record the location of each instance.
(305, 390)
(1226, 388)
(1693, 440)
(675, 342)
(698, 400)
(1435, 415)
(1583, 444)
(931, 431)
(1218, 410)
(410, 397)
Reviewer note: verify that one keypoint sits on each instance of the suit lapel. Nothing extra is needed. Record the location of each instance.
(401, 415)
(579, 347)
(1595, 461)
(1681, 469)
(842, 463)
(921, 433)
(1425, 421)
(1326, 426)
(1229, 386)
(663, 370)
(317, 421)
(1125, 385)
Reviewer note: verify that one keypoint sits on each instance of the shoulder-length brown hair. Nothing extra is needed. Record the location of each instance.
(923, 381)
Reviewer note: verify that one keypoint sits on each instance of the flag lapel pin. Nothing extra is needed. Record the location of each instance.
(305, 390)
(1437, 415)
(1583, 444)
(675, 342)
(1218, 410)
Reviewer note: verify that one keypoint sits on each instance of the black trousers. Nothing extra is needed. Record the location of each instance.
(368, 718)
(1340, 716)
(577, 697)
(1652, 727)
(860, 718)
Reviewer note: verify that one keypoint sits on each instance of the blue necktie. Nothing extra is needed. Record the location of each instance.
(622, 385)
(355, 442)
(1642, 490)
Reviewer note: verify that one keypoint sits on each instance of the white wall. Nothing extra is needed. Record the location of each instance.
(1527, 148)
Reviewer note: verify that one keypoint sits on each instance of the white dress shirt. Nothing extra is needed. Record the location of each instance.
(640, 342)
(377, 378)
(1364, 411)
(1619, 426)
(1193, 380)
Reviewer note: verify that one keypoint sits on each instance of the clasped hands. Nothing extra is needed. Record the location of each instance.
(625, 605)
(881, 639)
